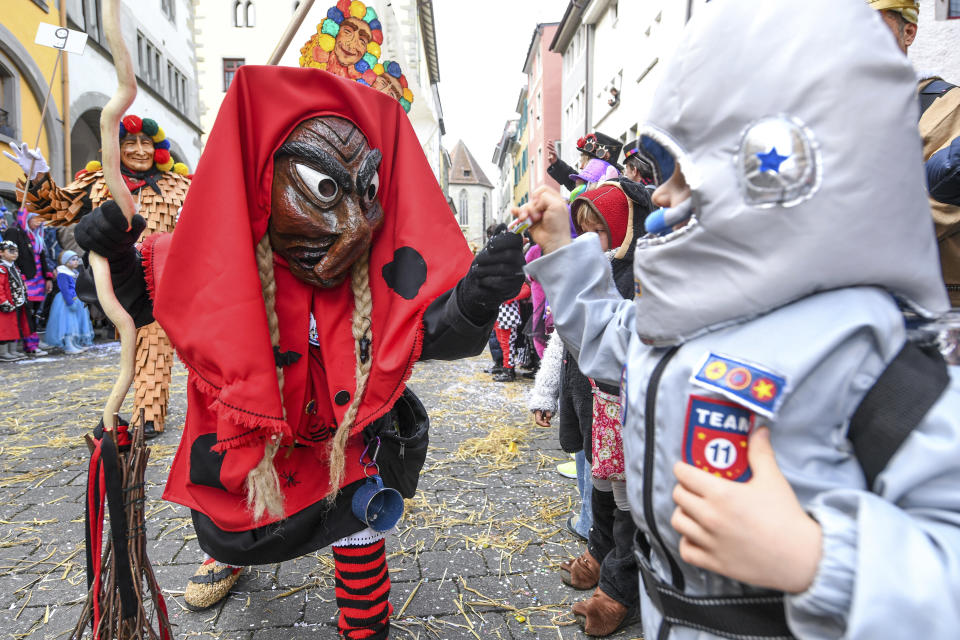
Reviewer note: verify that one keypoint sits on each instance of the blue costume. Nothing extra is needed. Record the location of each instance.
(68, 326)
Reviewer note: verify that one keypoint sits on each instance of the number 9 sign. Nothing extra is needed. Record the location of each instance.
(56, 37)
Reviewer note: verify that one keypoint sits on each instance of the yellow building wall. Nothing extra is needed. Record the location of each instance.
(521, 188)
(22, 19)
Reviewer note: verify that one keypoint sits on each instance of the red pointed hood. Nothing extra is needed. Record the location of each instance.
(209, 299)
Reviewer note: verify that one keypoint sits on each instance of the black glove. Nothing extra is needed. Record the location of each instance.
(104, 230)
(495, 276)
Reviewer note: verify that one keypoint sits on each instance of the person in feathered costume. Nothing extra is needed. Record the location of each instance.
(159, 185)
(347, 268)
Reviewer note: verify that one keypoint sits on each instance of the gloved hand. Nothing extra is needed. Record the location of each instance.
(31, 161)
(495, 276)
(943, 174)
(104, 231)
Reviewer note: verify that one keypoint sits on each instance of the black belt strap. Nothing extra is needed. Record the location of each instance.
(931, 92)
(736, 617)
(118, 527)
(895, 405)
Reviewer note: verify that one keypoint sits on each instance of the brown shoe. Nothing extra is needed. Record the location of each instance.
(581, 573)
(601, 616)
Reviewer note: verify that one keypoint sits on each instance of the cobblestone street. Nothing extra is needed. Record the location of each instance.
(475, 555)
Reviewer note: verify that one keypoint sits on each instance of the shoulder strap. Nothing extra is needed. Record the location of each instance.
(932, 91)
(895, 405)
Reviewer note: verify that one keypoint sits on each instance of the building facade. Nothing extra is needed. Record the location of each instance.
(231, 33)
(25, 72)
(503, 158)
(159, 36)
(609, 87)
(937, 47)
(472, 194)
(521, 164)
(543, 69)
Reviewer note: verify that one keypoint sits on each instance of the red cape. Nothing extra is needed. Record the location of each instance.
(208, 297)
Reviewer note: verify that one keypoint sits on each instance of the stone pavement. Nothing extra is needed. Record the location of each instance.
(475, 556)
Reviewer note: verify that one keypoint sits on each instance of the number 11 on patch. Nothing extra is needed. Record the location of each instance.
(57, 37)
(716, 437)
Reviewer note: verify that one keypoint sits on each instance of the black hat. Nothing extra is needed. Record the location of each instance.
(601, 146)
(634, 149)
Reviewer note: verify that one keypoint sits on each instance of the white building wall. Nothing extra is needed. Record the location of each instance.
(93, 78)
(218, 38)
(652, 28)
(576, 93)
(504, 189)
(472, 221)
(937, 47)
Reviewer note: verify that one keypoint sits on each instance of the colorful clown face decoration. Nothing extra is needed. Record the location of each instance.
(324, 201)
(347, 42)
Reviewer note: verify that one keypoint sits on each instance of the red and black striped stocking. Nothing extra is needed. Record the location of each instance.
(363, 591)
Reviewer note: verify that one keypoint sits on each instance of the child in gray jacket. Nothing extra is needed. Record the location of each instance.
(794, 221)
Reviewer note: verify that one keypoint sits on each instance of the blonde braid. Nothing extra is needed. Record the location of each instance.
(263, 483)
(362, 310)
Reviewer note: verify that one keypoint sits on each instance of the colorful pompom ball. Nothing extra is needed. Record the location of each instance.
(161, 157)
(375, 24)
(150, 127)
(370, 75)
(159, 136)
(405, 104)
(373, 49)
(330, 27)
(363, 82)
(327, 42)
(378, 69)
(132, 124)
(370, 60)
(378, 35)
(181, 169)
(403, 81)
(163, 144)
(166, 166)
(362, 66)
(370, 16)
(343, 6)
(93, 165)
(335, 14)
(394, 69)
(408, 95)
(357, 9)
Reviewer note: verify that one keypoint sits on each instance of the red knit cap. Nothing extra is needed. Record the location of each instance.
(611, 203)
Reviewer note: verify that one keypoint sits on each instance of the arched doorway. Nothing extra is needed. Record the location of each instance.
(85, 140)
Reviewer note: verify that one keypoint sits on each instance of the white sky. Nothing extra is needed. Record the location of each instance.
(482, 45)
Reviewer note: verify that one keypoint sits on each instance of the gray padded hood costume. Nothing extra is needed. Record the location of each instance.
(792, 194)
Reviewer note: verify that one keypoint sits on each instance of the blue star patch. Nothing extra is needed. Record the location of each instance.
(771, 160)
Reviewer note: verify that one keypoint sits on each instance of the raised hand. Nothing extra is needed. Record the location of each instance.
(31, 161)
(547, 211)
(755, 532)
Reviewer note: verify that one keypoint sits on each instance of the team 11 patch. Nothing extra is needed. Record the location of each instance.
(746, 384)
(716, 437)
